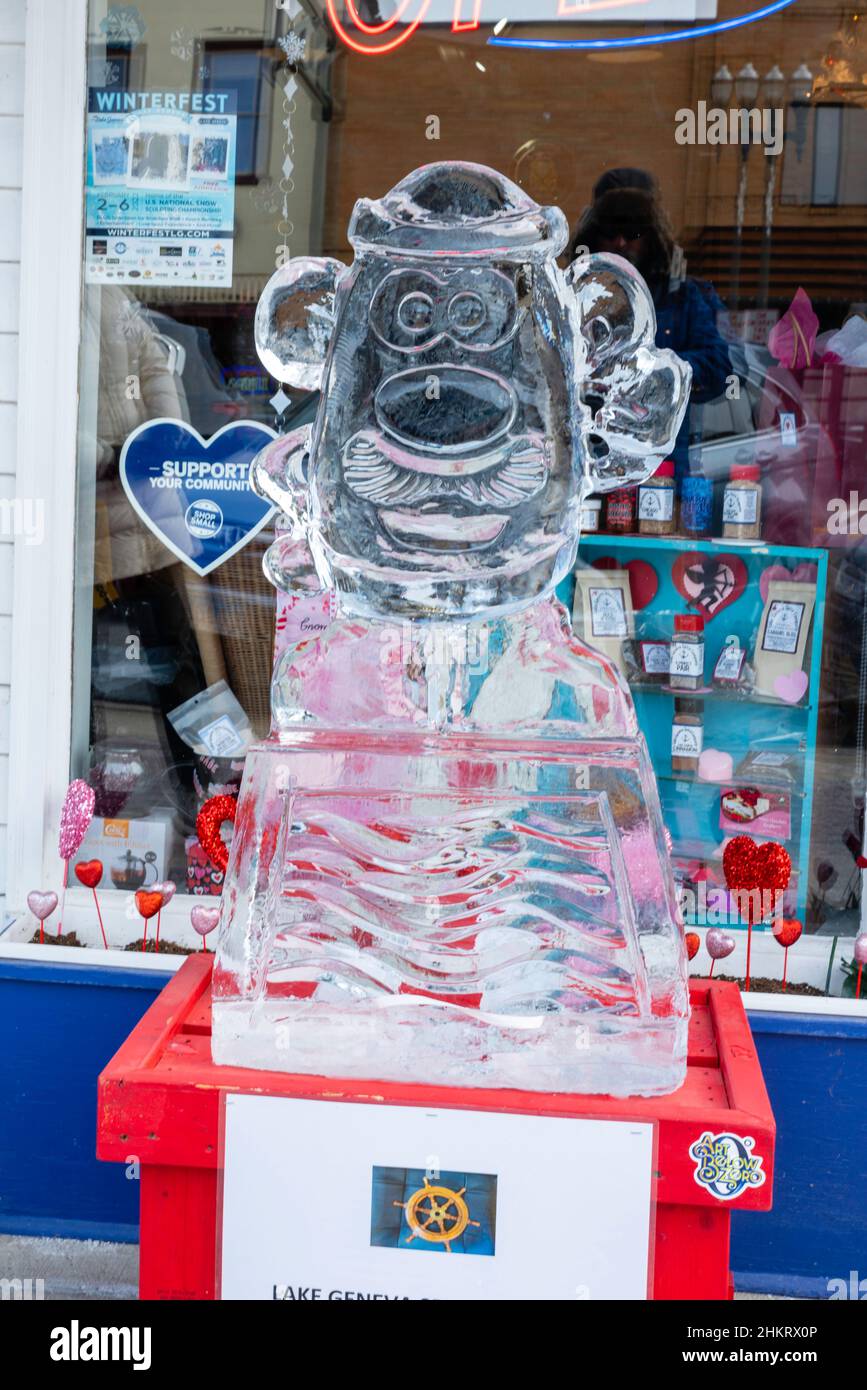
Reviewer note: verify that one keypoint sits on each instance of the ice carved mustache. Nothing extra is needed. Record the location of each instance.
(516, 473)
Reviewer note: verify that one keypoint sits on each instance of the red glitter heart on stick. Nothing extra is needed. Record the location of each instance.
(89, 873)
(787, 931)
(748, 866)
(209, 823)
(148, 904)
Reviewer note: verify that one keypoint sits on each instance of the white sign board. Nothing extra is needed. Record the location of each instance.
(328, 1201)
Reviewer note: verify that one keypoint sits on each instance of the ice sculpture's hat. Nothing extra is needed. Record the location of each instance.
(494, 217)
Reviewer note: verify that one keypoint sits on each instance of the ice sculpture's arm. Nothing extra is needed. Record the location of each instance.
(633, 395)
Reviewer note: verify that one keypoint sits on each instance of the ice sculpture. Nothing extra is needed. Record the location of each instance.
(449, 863)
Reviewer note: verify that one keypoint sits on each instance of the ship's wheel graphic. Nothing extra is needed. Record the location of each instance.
(436, 1214)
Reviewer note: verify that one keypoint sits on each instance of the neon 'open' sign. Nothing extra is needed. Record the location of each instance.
(375, 37)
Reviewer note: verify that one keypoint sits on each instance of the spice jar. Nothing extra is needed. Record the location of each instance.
(686, 665)
(742, 503)
(696, 505)
(620, 511)
(656, 502)
(687, 736)
(591, 515)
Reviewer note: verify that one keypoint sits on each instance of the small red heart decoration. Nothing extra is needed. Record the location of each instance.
(787, 930)
(643, 579)
(89, 873)
(210, 820)
(148, 904)
(693, 942)
(709, 582)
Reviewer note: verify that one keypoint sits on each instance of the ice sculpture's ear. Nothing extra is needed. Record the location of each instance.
(633, 394)
(279, 473)
(295, 320)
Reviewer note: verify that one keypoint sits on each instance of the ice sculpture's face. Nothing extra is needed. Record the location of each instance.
(453, 443)
(440, 468)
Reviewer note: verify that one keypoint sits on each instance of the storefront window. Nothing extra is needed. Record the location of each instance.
(728, 169)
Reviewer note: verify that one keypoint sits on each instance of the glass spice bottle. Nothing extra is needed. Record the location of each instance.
(620, 511)
(696, 504)
(742, 503)
(591, 515)
(687, 736)
(656, 502)
(686, 666)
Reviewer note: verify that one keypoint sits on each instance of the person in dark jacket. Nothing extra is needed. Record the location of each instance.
(626, 218)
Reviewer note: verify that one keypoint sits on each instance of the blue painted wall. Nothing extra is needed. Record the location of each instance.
(816, 1073)
(59, 1025)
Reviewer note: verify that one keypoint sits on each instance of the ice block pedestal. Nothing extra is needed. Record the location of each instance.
(161, 1098)
(464, 911)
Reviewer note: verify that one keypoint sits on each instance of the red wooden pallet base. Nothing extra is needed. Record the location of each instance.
(159, 1103)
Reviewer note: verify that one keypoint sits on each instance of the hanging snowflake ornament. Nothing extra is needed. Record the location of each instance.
(266, 197)
(294, 47)
(183, 43)
(104, 73)
(123, 25)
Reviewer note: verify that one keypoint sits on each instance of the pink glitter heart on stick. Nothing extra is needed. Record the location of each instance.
(204, 920)
(75, 817)
(41, 904)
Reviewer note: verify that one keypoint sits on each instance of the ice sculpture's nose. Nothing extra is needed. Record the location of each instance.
(445, 410)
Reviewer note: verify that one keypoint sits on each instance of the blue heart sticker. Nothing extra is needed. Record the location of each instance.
(194, 493)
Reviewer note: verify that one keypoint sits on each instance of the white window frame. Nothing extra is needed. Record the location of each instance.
(51, 270)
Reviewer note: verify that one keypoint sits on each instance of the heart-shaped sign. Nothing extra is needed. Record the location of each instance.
(792, 687)
(769, 573)
(89, 873)
(709, 582)
(194, 493)
(715, 765)
(693, 942)
(643, 579)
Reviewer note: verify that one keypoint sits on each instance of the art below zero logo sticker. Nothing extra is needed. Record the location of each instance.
(725, 1164)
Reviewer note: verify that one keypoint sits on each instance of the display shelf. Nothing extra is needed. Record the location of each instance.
(709, 545)
(736, 721)
(714, 692)
(734, 782)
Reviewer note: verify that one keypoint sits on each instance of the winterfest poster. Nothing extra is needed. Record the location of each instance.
(160, 191)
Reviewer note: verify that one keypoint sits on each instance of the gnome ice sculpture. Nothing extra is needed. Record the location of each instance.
(449, 863)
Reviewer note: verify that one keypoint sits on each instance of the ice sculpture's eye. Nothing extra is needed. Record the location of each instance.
(415, 313)
(467, 312)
